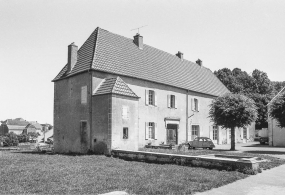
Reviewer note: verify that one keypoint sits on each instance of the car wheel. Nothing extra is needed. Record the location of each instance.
(193, 147)
(210, 148)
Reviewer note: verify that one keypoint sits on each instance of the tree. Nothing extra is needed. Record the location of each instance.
(33, 135)
(277, 109)
(231, 111)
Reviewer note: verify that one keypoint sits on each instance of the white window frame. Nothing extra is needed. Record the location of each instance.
(151, 131)
(215, 132)
(150, 97)
(198, 131)
(195, 104)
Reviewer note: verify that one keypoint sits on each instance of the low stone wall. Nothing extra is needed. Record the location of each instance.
(221, 162)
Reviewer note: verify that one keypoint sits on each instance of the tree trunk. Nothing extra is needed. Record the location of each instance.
(233, 139)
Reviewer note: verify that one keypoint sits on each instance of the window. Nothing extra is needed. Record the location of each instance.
(195, 104)
(244, 133)
(150, 131)
(151, 97)
(125, 133)
(172, 101)
(195, 131)
(84, 95)
(125, 112)
(215, 132)
(230, 135)
(83, 131)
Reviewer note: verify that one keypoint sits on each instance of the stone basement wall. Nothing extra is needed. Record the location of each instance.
(246, 165)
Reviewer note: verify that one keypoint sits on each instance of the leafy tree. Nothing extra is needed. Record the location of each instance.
(262, 82)
(277, 86)
(277, 109)
(233, 110)
(33, 135)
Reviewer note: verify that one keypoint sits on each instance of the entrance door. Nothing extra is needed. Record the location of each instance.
(171, 137)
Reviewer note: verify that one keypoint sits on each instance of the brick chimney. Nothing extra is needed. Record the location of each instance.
(180, 55)
(199, 62)
(138, 40)
(72, 56)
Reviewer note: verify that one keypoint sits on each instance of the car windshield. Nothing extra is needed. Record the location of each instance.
(208, 139)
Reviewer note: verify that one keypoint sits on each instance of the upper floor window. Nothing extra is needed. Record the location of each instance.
(171, 101)
(150, 97)
(195, 104)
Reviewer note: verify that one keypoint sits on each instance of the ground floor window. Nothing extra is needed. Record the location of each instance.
(125, 133)
(230, 134)
(244, 133)
(195, 131)
(151, 130)
(215, 132)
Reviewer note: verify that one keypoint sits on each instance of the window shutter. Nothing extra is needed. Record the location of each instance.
(146, 131)
(175, 101)
(199, 131)
(198, 106)
(192, 103)
(168, 101)
(155, 131)
(155, 98)
(146, 97)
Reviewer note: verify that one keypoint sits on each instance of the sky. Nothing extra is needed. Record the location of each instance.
(34, 35)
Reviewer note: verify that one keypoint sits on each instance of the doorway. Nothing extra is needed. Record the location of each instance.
(171, 134)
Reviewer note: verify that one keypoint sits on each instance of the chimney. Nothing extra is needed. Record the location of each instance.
(199, 62)
(180, 55)
(72, 56)
(138, 40)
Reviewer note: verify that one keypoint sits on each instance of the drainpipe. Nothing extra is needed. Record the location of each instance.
(272, 129)
(90, 109)
(187, 115)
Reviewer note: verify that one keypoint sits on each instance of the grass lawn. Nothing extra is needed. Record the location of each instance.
(271, 163)
(33, 173)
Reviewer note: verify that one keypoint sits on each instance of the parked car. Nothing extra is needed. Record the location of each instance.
(201, 142)
(263, 140)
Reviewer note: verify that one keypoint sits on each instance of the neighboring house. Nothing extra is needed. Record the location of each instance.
(13, 125)
(276, 134)
(33, 126)
(117, 92)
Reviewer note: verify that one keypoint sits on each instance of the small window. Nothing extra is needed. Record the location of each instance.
(172, 101)
(230, 134)
(125, 112)
(125, 133)
(215, 132)
(83, 131)
(244, 133)
(151, 97)
(151, 130)
(84, 95)
(195, 104)
(195, 131)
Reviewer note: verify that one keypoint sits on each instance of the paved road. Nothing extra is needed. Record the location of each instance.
(269, 182)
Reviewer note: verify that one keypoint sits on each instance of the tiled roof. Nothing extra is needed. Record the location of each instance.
(115, 86)
(16, 122)
(112, 53)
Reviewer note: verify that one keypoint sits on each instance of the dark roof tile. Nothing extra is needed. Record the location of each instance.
(112, 53)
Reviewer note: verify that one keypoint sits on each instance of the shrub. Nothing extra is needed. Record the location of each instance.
(11, 139)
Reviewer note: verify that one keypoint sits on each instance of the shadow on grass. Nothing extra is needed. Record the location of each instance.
(264, 152)
(52, 153)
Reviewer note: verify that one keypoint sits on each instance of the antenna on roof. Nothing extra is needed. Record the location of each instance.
(138, 28)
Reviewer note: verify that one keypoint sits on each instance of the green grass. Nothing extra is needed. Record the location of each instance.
(271, 161)
(33, 173)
